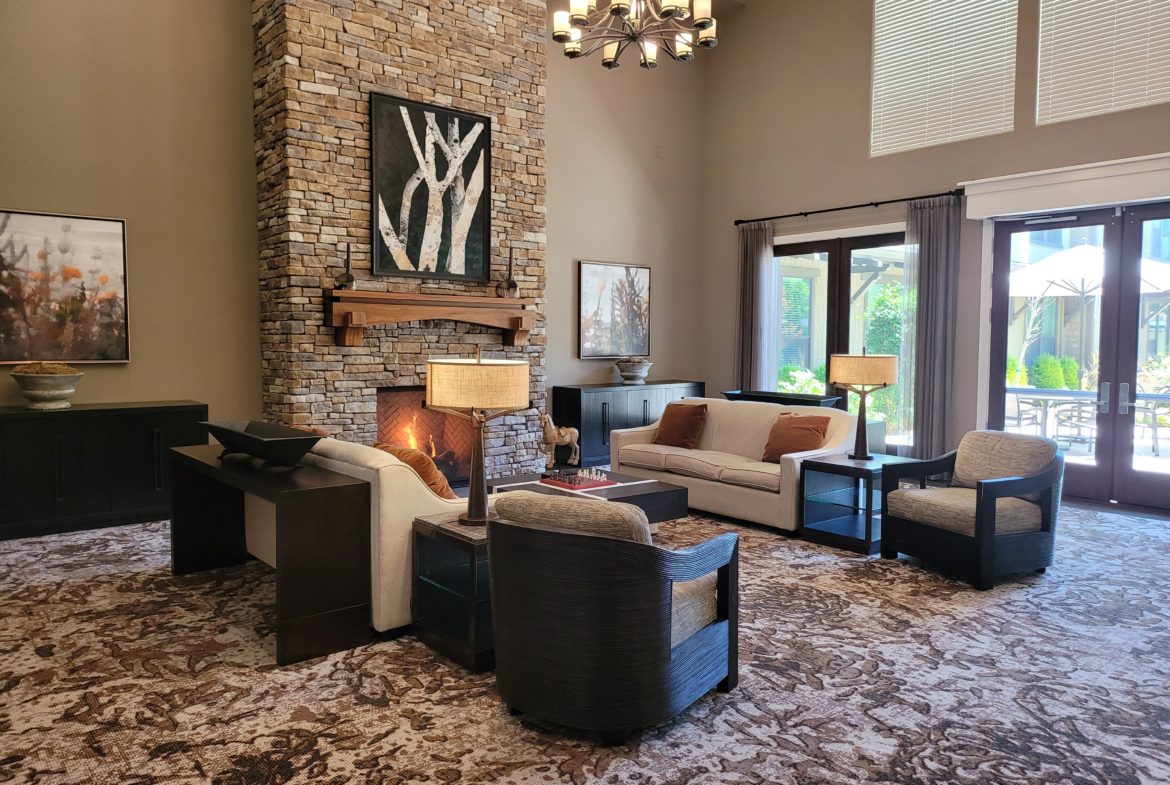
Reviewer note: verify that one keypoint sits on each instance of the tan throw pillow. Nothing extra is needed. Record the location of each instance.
(681, 425)
(424, 466)
(795, 433)
(609, 519)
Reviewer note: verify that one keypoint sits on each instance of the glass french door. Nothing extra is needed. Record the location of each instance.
(1079, 345)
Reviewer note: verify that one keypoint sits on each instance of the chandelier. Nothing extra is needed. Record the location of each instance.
(652, 26)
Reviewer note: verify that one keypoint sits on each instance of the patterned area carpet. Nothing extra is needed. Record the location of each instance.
(853, 671)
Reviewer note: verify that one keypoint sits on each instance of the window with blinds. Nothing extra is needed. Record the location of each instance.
(943, 70)
(1099, 56)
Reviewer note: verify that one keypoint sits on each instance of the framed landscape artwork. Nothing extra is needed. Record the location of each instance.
(62, 289)
(614, 310)
(430, 190)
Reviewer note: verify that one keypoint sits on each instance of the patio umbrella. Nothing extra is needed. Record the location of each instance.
(1077, 272)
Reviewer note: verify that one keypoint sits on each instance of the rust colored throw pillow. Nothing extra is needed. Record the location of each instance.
(682, 425)
(424, 466)
(795, 433)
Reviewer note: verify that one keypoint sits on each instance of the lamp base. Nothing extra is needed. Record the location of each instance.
(466, 519)
(853, 457)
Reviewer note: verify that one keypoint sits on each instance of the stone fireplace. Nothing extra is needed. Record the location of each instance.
(316, 63)
(405, 421)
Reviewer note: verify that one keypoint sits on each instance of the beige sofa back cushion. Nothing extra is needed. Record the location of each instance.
(742, 427)
(609, 519)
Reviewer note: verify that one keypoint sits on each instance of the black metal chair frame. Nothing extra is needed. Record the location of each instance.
(582, 627)
(986, 555)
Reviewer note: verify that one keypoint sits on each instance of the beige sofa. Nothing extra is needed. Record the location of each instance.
(726, 474)
(397, 496)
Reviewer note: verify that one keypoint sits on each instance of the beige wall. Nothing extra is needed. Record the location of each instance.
(787, 127)
(623, 186)
(142, 110)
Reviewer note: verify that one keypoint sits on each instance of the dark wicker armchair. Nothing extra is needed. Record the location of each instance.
(997, 517)
(584, 631)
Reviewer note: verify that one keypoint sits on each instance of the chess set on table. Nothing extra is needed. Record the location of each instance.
(581, 480)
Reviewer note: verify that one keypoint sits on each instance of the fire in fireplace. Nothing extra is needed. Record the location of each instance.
(404, 421)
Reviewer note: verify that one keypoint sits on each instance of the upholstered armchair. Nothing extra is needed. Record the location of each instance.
(997, 516)
(595, 628)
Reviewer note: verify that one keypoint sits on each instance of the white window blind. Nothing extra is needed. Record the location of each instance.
(1100, 56)
(943, 70)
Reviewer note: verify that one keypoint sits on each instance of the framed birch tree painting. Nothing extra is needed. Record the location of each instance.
(431, 190)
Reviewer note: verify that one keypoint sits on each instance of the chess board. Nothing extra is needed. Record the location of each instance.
(575, 482)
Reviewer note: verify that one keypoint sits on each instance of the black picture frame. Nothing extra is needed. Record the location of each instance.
(396, 174)
(84, 264)
(592, 298)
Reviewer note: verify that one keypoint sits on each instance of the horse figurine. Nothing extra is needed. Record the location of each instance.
(555, 437)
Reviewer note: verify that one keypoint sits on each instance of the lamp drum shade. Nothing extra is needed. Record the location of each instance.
(462, 383)
(863, 370)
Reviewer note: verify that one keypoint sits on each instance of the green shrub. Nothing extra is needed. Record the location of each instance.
(1012, 372)
(1047, 373)
(1072, 373)
(820, 372)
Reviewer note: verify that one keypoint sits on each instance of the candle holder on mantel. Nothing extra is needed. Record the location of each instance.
(346, 279)
(508, 287)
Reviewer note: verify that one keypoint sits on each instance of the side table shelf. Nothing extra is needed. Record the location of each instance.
(841, 501)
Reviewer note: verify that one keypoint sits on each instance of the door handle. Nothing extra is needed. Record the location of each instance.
(59, 467)
(1123, 402)
(645, 411)
(158, 459)
(1103, 398)
(604, 422)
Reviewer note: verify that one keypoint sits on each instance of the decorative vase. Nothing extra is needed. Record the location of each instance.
(633, 370)
(47, 390)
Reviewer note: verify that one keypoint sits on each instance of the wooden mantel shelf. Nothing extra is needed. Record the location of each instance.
(350, 312)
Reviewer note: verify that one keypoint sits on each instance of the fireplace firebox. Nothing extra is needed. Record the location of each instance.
(404, 421)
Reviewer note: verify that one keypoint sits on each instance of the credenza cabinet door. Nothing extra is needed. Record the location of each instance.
(142, 472)
(644, 406)
(54, 470)
(601, 412)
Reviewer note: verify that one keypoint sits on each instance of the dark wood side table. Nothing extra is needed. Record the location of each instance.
(841, 501)
(322, 542)
(450, 601)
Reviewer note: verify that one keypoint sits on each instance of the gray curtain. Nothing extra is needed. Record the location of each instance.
(758, 358)
(932, 232)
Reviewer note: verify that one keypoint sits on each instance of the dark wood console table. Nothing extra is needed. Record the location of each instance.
(322, 542)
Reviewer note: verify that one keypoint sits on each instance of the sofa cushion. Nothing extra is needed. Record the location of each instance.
(990, 455)
(755, 474)
(646, 456)
(424, 466)
(702, 463)
(795, 433)
(681, 425)
(608, 519)
(953, 509)
(692, 607)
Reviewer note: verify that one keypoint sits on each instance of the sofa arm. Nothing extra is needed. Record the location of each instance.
(626, 436)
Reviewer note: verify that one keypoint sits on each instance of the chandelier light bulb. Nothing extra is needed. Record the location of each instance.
(682, 47)
(609, 55)
(579, 12)
(561, 26)
(619, 8)
(649, 54)
(573, 45)
(707, 37)
(702, 16)
(676, 9)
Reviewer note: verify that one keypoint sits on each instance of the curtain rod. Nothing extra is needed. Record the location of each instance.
(807, 213)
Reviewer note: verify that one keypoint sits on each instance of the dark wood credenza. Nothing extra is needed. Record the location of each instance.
(91, 465)
(597, 409)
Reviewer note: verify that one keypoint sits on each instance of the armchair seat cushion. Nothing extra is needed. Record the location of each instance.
(647, 456)
(705, 464)
(757, 474)
(692, 607)
(953, 509)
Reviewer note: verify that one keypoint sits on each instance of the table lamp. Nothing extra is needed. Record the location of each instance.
(862, 374)
(478, 390)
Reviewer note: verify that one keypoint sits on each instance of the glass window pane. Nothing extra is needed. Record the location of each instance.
(804, 308)
(882, 308)
(1151, 438)
(1054, 319)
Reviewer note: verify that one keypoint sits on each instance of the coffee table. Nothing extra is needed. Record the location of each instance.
(661, 501)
